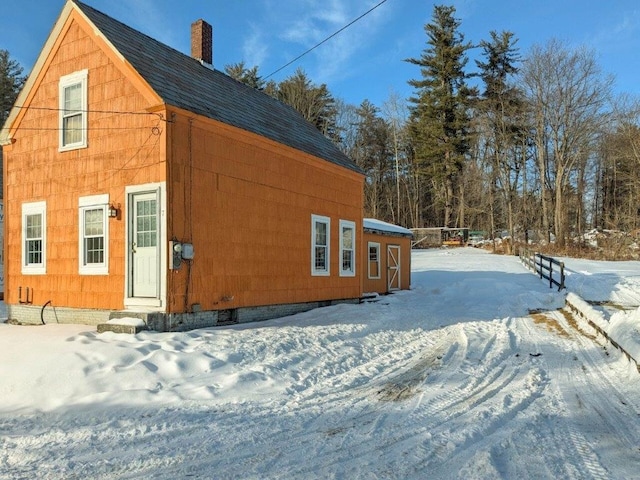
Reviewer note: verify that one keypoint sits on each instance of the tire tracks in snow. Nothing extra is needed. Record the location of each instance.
(606, 404)
(584, 400)
(487, 384)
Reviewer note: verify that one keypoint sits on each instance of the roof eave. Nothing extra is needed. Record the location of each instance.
(387, 233)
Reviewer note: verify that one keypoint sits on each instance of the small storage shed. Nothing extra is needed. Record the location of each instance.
(387, 256)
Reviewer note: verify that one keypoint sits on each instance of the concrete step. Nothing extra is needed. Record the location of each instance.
(123, 325)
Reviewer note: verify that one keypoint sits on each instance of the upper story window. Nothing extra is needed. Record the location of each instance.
(347, 248)
(320, 245)
(34, 238)
(73, 111)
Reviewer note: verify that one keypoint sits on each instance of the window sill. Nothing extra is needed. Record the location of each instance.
(75, 146)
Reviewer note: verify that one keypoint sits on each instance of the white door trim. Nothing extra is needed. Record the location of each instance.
(160, 302)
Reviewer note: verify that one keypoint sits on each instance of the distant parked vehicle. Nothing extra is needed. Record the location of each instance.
(475, 240)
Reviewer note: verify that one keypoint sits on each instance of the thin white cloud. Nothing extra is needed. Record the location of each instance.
(612, 37)
(147, 16)
(303, 24)
(627, 27)
(254, 48)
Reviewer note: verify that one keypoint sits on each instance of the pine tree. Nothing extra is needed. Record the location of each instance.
(501, 112)
(248, 76)
(11, 81)
(315, 103)
(373, 153)
(439, 117)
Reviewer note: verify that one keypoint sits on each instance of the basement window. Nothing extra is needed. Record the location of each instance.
(34, 238)
(320, 245)
(73, 111)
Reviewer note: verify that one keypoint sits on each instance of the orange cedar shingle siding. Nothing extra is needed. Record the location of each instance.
(251, 207)
(122, 151)
(380, 285)
(246, 204)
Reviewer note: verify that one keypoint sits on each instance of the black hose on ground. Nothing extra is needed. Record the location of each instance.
(42, 311)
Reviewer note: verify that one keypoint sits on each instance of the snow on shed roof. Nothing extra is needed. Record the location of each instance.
(384, 227)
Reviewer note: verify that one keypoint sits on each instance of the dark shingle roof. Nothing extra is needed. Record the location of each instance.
(184, 82)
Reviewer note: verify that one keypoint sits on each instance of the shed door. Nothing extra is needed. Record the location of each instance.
(144, 245)
(393, 267)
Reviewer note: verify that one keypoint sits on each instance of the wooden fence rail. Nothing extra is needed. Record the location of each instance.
(543, 265)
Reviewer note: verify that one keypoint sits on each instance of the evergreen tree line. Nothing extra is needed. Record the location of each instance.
(534, 146)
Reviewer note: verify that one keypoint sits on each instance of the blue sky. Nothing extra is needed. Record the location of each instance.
(366, 60)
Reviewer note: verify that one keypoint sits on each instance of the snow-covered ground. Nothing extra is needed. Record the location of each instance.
(453, 379)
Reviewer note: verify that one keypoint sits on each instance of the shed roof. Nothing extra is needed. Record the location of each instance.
(184, 82)
(378, 226)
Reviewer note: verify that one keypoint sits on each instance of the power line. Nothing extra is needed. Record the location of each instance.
(326, 39)
(44, 129)
(116, 112)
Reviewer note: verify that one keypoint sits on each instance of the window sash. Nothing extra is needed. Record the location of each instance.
(72, 129)
(94, 236)
(73, 110)
(72, 115)
(347, 248)
(374, 260)
(34, 238)
(320, 245)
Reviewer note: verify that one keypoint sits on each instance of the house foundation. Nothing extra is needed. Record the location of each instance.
(161, 321)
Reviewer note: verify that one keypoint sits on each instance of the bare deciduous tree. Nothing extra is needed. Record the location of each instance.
(567, 93)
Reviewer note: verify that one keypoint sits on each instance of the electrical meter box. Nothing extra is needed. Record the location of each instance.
(187, 251)
(179, 251)
(175, 255)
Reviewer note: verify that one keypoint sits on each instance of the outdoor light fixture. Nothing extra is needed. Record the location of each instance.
(113, 211)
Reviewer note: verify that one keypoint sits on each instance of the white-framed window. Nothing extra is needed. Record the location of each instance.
(93, 227)
(34, 238)
(320, 245)
(347, 248)
(374, 260)
(73, 111)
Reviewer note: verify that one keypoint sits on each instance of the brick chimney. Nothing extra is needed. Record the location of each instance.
(202, 41)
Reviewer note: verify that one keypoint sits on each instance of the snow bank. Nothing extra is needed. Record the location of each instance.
(624, 328)
(588, 311)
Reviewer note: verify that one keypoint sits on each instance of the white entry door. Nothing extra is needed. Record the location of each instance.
(143, 244)
(393, 267)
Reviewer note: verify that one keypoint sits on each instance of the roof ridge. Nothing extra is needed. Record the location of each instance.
(184, 82)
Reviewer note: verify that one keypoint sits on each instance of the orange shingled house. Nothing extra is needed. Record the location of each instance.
(140, 182)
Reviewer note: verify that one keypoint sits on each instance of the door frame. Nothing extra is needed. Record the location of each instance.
(397, 268)
(160, 301)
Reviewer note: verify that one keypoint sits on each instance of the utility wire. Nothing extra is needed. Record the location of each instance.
(326, 39)
(46, 129)
(118, 112)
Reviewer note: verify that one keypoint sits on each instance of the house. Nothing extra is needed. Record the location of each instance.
(386, 257)
(141, 182)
